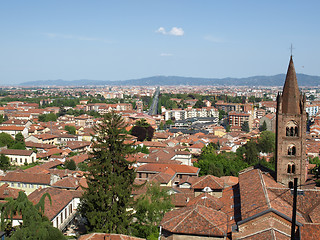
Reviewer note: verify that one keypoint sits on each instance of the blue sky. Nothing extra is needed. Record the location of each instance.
(119, 40)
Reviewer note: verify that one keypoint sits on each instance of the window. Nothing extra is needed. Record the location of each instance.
(70, 208)
(290, 184)
(292, 129)
(291, 168)
(291, 150)
(18, 184)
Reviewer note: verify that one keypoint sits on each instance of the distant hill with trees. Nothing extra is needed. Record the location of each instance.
(276, 80)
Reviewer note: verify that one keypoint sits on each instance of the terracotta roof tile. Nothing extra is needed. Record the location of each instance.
(196, 220)
(310, 231)
(7, 192)
(206, 200)
(107, 236)
(208, 181)
(154, 167)
(16, 152)
(25, 177)
(60, 198)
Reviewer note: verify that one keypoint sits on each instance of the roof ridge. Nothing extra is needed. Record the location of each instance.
(187, 215)
(264, 189)
(209, 220)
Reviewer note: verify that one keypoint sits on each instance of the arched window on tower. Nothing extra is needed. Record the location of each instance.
(292, 129)
(291, 150)
(289, 168)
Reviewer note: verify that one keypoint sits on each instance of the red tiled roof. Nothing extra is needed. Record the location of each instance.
(12, 128)
(39, 145)
(25, 177)
(107, 236)
(7, 192)
(196, 220)
(208, 181)
(16, 152)
(206, 200)
(155, 167)
(310, 231)
(67, 182)
(60, 198)
(79, 158)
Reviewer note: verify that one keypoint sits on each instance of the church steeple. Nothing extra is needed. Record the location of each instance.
(291, 93)
(291, 119)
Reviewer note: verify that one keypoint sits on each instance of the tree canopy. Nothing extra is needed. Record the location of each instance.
(223, 164)
(245, 126)
(70, 164)
(47, 117)
(4, 162)
(150, 209)
(35, 224)
(110, 178)
(6, 139)
(142, 130)
(70, 129)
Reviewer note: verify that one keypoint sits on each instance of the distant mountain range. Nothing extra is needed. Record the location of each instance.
(276, 80)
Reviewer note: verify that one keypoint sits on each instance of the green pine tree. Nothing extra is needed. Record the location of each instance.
(245, 127)
(110, 178)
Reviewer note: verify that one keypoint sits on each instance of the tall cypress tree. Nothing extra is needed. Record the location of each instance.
(110, 178)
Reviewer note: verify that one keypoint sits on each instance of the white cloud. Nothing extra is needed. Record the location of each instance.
(161, 30)
(166, 54)
(175, 31)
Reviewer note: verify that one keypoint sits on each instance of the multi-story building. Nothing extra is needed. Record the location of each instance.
(237, 119)
(183, 114)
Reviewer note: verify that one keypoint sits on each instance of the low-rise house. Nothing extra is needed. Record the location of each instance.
(64, 138)
(62, 208)
(45, 138)
(8, 192)
(40, 147)
(19, 157)
(14, 129)
(148, 170)
(209, 183)
(25, 181)
(78, 146)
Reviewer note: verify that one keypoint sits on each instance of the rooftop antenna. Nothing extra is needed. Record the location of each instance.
(291, 49)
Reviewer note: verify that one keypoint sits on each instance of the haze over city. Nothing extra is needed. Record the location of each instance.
(120, 40)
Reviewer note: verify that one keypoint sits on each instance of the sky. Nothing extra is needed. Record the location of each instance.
(130, 39)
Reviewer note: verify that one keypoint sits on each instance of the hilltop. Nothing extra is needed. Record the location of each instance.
(276, 80)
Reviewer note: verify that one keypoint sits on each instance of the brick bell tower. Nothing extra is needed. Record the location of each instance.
(291, 120)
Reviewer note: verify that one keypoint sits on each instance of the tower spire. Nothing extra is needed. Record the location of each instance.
(291, 93)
